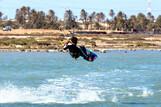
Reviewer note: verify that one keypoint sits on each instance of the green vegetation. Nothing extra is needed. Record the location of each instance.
(13, 41)
(28, 18)
(112, 41)
(29, 43)
(142, 44)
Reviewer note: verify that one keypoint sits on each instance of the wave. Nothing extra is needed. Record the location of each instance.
(91, 87)
(145, 92)
(65, 91)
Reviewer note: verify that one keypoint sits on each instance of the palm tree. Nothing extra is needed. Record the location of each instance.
(107, 23)
(112, 14)
(52, 20)
(68, 16)
(40, 20)
(100, 17)
(150, 17)
(141, 22)
(83, 17)
(69, 20)
(120, 21)
(22, 15)
(33, 18)
(1, 14)
(51, 16)
(132, 21)
(93, 15)
(91, 18)
(24, 11)
(158, 22)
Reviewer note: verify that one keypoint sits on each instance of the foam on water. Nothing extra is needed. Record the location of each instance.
(147, 92)
(114, 99)
(132, 78)
(63, 90)
(84, 88)
(77, 89)
(143, 91)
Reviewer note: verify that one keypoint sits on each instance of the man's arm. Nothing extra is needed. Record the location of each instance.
(66, 45)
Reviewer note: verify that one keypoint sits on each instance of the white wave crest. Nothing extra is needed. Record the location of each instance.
(114, 99)
(146, 92)
(143, 91)
(64, 91)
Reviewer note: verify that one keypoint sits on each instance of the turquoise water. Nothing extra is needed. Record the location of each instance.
(115, 79)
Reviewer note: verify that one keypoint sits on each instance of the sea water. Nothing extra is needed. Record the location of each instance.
(114, 79)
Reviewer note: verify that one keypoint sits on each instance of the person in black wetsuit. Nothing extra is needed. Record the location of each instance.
(76, 51)
(71, 45)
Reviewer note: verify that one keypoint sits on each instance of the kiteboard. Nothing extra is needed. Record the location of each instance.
(89, 55)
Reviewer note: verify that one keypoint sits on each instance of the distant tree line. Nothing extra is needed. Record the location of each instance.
(31, 19)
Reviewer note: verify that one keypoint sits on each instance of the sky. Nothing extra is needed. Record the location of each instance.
(8, 7)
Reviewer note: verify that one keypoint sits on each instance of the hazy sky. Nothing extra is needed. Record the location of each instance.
(59, 6)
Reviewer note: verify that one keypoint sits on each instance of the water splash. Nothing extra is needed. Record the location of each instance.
(64, 90)
(147, 92)
(114, 99)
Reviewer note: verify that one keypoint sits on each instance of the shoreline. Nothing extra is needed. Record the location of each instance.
(40, 40)
(64, 51)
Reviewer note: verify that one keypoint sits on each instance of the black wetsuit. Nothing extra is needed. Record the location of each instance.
(73, 50)
(76, 52)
